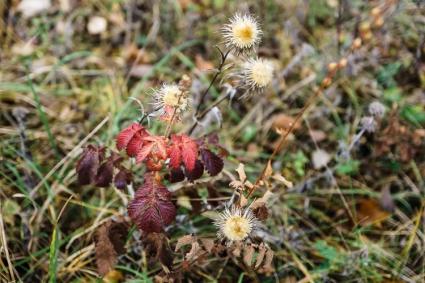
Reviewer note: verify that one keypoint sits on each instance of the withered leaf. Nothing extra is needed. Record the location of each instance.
(208, 244)
(261, 212)
(195, 252)
(105, 174)
(212, 162)
(248, 254)
(369, 211)
(261, 253)
(123, 178)
(184, 240)
(241, 172)
(88, 164)
(158, 248)
(110, 241)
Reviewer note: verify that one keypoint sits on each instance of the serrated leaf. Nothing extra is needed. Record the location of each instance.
(152, 209)
(126, 135)
(183, 149)
(153, 147)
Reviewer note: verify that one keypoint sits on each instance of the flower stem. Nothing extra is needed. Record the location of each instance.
(204, 94)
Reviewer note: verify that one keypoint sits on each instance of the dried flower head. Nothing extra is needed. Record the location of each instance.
(235, 224)
(242, 33)
(377, 109)
(368, 124)
(168, 98)
(255, 74)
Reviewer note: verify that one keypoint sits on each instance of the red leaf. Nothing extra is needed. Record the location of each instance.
(213, 163)
(88, 164)
(174, 152)
(185, 149)
(134, 145)
(152, 209)
(127, 134)
(153, 147)
(196, 173)
(189, 152)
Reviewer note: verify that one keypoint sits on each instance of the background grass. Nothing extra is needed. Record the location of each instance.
(58, 83)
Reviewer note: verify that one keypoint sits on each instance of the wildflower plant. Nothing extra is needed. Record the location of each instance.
(172, 157)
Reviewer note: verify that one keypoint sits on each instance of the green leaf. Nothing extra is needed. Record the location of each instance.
(386, 74)
(249, 133)
(393, 94)
(414, 114)
(53, 255)
(300, 160)
(348, 167)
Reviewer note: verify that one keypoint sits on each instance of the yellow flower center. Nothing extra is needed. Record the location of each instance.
(236, 228)
(244, 34)
(261, 73)
(171, 96)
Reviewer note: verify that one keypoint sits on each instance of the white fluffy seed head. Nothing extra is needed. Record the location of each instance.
(168, 98)
(242, 33)
(235, 224)
(254, 75)
(377, 109)
(368, 124)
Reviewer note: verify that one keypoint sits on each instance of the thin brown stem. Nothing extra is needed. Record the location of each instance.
(204, 94)
(283, 139)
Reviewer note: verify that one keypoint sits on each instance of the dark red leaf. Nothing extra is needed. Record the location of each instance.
(196, 173)
(105, 174)
(213, 163)
(123, 178)
(176, 175)
(88, 164)
(127, 134)
(152, 209)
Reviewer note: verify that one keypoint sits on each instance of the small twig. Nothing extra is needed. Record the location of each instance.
(204, 94)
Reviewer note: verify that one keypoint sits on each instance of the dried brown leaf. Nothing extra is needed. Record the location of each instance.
(183, 241)
(110, 240)
(208, 244)
(248, 254)
(262, 249)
